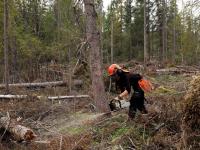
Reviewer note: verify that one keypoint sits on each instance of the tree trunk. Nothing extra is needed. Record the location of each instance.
(148, 30)
(145, 35)
(19, 132)
(101, 30)
(111, 36)
(164, 32)
(14, 60)
(6, 69)
(58, 21)
(174, 34)
(93, 38)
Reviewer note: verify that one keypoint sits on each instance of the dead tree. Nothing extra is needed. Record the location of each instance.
(93, 39)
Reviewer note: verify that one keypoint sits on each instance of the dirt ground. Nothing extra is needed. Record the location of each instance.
(74, 124)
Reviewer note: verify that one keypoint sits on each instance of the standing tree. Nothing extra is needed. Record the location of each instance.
(161, 27)
(128, 22)
(93, 38)
(111, 35)
(145, 35)
(6, 71)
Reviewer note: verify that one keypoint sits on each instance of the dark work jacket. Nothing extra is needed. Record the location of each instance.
(126, 80)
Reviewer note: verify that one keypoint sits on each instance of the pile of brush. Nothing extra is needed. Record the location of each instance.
(191, 115)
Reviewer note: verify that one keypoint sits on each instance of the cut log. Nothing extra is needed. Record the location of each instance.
(13, 96)
(43, 84)
(68, 97)
(19, 132)
(176, 71)
(42, 142)
(39, 97)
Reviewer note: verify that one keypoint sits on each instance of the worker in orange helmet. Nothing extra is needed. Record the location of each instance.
(124, 81)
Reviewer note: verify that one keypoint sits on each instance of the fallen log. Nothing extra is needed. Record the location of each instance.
(68, 97)
(13, 96)
(19, 132)
(176, 71)
(39, 97)
(43, 84)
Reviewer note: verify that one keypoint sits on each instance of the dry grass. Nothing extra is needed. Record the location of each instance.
(64, 128)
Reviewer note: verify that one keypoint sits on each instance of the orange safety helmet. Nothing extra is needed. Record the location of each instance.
(111, 69)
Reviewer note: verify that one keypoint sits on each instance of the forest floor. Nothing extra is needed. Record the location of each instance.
(74, 124)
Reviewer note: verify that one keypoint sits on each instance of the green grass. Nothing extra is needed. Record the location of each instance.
(73, 130)
(117, 134)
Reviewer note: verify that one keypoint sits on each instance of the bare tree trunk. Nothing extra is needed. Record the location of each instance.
(101, 30)
(111, 44)
(121, 25)
(6, 69)
(14, 59)
(93, 38)
(174, 34)
(148, 30)
(164, 33)
(145, 35)
(58, 29)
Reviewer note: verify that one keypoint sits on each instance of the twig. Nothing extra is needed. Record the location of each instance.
(8, 115)
(79, 141)
(132, 142)
(121, 147)
(158, 127)
(144, 133)
(61, 139)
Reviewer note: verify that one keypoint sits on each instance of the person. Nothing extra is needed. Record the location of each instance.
(125, 80)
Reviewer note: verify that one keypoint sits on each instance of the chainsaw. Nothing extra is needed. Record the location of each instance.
(116, 105)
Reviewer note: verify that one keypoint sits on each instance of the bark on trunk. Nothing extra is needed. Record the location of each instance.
(93, 38)
(19, 132)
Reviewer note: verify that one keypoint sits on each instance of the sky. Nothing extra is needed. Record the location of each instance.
(106, 3)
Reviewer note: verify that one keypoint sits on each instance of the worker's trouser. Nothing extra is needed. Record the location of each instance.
(137, 102)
